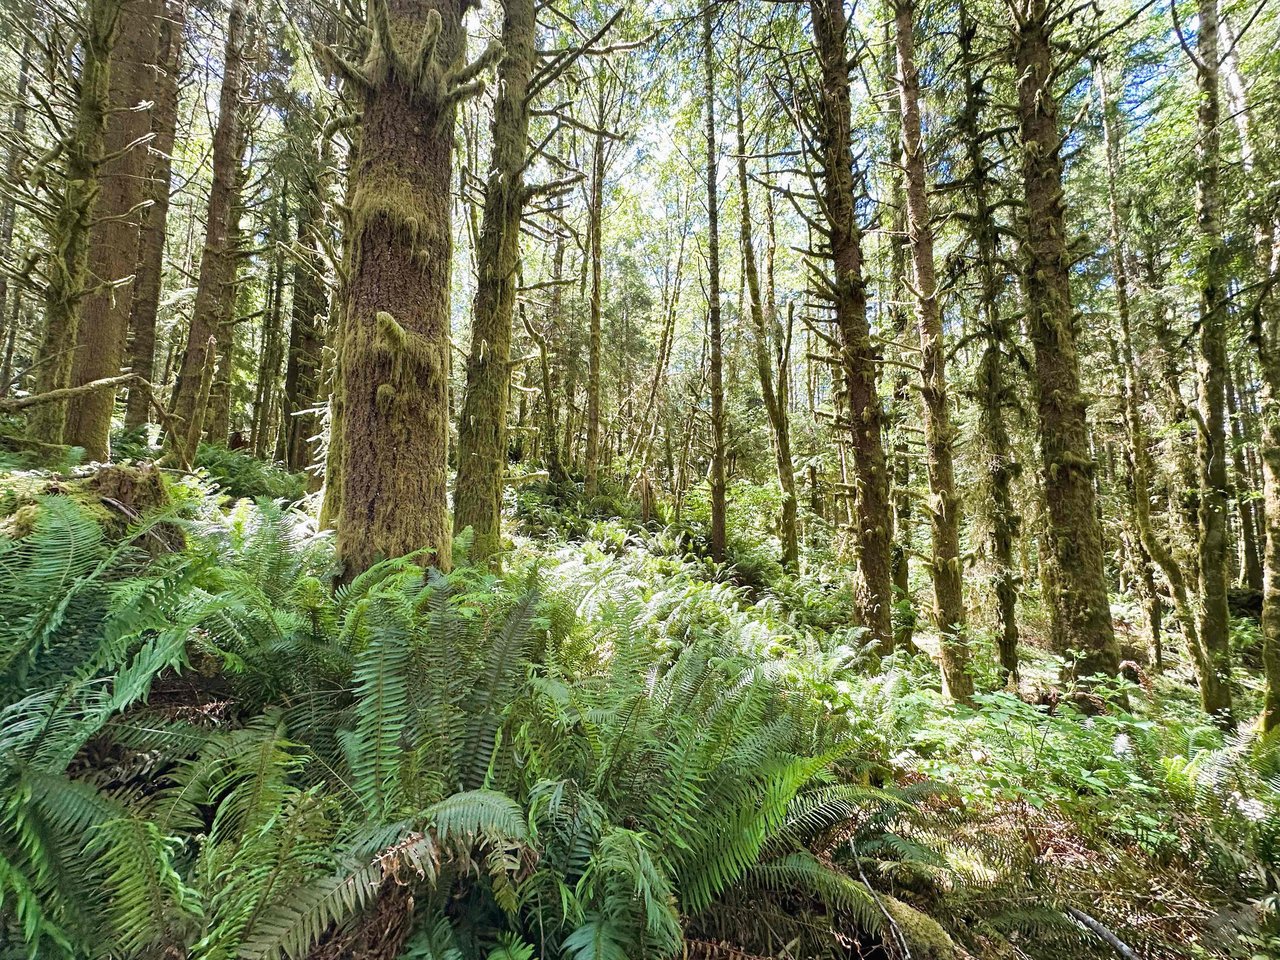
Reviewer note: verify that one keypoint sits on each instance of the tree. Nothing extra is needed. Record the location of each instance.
(69, 228)
(395, 351)
(944, 505)
(1080, 610)
(844, 290)
(1213, 653)
(715, 322)
(482, 423)
(218, 263)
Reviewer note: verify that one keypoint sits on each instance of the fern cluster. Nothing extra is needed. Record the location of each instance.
(609, 753)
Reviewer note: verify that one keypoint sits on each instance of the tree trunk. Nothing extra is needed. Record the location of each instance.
(775, 400)
(482, 424)
(595, 227)
(68, 268)
(848, 298)
(395, 343)
(302, 372)
(113, 240)
(217, 263)
(8, 213)
(944, 506)
(1250, 556)
(1080, 613)
(145, 305)
(714, 320)
(1214, 663)
(1139, 451)
(993, 390)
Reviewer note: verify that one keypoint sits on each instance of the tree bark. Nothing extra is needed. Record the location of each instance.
(848, 298)
(482, 424)
(145, 305)
(944, 506)
(595, 228)
(8, 214)
(113, 239)
(217, 263)
(1080, 613)
(395, 348)
(1214, 659)
(68, 268)
(993, 390)
(306, 341)
(714, 319)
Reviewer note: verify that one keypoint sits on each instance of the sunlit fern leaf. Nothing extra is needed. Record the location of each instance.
(478, 815)
(505, 663)
(41, 575)
(511, 947)
(597, 939)
(800, 871)
(148, 899)
(375, 746)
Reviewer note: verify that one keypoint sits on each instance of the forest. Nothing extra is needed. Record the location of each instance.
(639, 479)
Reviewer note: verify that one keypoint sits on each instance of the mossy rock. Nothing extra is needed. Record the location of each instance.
(925, 936)
(115, 496)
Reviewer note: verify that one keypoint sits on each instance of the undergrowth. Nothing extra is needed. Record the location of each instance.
(618, 749)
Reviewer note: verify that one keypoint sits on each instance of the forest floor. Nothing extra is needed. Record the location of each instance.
(1018, 827)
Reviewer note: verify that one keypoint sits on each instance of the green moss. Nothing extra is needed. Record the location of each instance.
(925, 936)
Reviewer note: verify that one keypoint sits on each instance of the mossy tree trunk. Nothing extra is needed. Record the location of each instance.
(939, 432)
(1138, 452)
(114, 238)
(845, 291)
(215, 287)
(1214, 658)
(1080, 612)
(145, 303)
(482, 423)
(395, 350)
(69, 232)
(1250, 558)
(994, 391)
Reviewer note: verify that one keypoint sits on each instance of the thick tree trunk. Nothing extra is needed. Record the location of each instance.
(68, 268)
(395, 342)
(944, 506)
(848, 298)
(113, 241)
(1080, 613)
(1214, 660)
(217, 417)
(145, 305)
(482, 424)
(217, 263)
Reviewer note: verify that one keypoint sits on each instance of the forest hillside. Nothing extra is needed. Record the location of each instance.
(580, 480)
